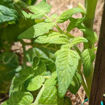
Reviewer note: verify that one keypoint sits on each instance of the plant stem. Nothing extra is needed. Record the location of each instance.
(59, 29)
(90, 12)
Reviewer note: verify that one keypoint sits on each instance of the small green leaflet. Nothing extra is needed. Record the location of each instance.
(7, 14)
(75, 84)
(88, 56)
(53, 38)
(74, 41)
(36, 30)
(77, 40)
(67, 14)
(19, 98)
(65, 60)
(40, 9)
(74, 23)
(35, 83)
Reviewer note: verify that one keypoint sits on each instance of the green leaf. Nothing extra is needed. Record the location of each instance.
(77, 40)
(23, 76)
(49, 96)
(89, 34)
(20, 78)
(67, 14)
(7, 3)
(53, 38)
(52, 18)
(36, 52)
(8, 64)
(36, 30)
(40, 9)
(35, 83)
(19, 98)
(74, 23)
(9, 59)
(88, 56)
(75, 84)
(7, 14)
(48, 93)
(66, 65)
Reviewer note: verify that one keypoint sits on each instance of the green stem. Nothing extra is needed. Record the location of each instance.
(90, 12)
(84, 83)
(59, 29)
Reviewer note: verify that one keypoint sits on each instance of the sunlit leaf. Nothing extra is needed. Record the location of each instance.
(66, 65)
(36, 30)
(68, 13)
(53, 38)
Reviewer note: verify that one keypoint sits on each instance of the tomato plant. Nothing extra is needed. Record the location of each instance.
(54, 64)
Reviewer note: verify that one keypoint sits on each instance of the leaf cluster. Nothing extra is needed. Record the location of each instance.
(52, 66)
